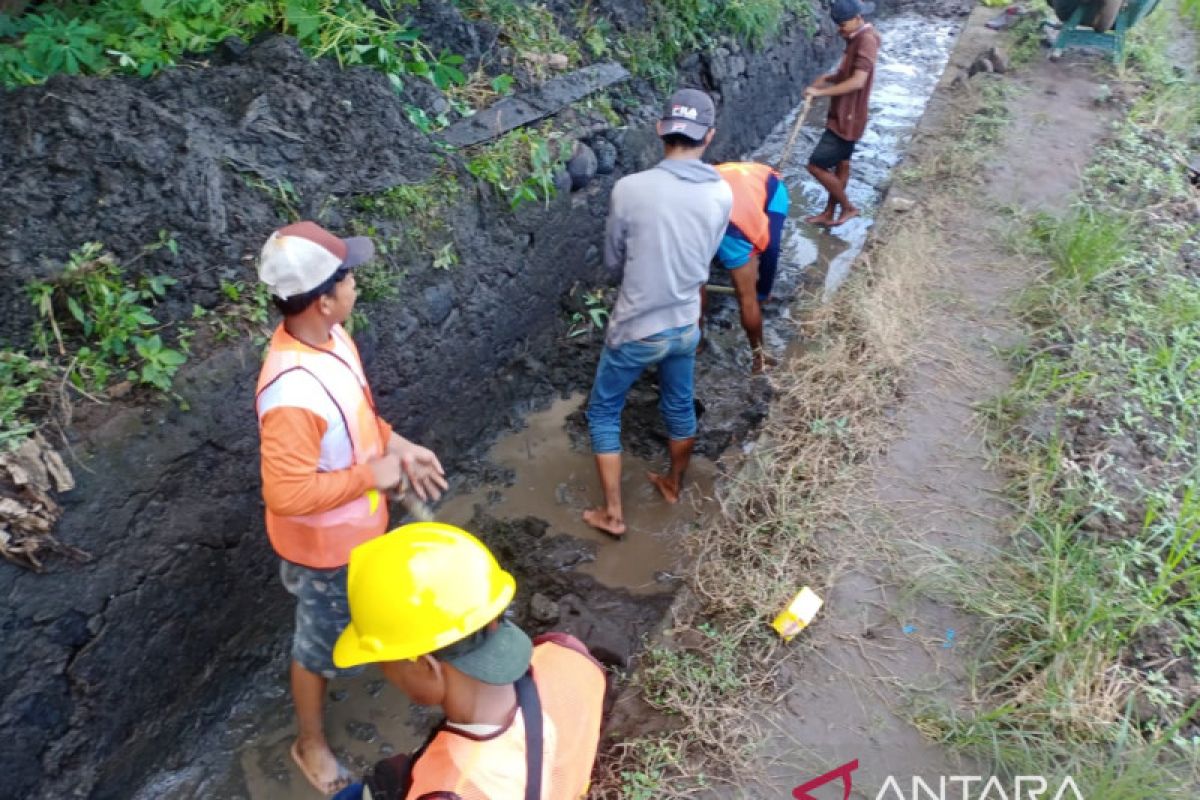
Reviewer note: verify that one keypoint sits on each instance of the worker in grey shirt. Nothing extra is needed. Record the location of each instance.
(664, 225)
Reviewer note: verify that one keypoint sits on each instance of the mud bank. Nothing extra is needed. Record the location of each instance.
(151, 641)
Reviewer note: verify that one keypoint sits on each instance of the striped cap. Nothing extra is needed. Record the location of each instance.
(300, 257)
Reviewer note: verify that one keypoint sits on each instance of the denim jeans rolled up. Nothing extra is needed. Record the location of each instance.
(674, 351)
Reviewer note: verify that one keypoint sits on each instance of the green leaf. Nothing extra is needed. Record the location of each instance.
(502, 84)
(155, 8)
(76, 311)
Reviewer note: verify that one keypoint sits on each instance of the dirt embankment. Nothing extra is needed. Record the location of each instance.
(103, 661)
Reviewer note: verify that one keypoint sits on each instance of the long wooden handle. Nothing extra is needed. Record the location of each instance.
(791, 142)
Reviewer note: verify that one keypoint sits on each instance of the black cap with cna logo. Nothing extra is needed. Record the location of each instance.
(690, 112)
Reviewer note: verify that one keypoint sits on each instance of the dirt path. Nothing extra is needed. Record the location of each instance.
(882, 651)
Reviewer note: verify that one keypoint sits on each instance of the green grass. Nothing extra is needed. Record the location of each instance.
(1101, 431)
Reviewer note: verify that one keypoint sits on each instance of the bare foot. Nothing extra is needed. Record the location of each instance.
(666, 487)
(847, 215)
(320, 767)
(600, 519)
(822, 220)
(762, 360)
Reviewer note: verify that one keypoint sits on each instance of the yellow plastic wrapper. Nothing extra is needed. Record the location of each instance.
(799, 613)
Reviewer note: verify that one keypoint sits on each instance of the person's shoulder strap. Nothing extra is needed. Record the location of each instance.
(531, 712)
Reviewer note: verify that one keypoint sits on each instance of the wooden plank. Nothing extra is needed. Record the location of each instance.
(536, 104)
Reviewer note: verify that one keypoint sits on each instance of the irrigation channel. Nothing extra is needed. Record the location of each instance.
(534, 482)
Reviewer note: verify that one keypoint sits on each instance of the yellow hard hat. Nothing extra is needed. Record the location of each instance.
(418, 589)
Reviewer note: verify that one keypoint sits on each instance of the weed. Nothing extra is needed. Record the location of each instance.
(522, 164)
(1025, 40)
(103, 324)
(144, 36)
(681, 26)
(282, 193)
(592, 318)
(529, 27)
(22, 381)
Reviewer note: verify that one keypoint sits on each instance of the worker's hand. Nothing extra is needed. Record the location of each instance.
(386, 470)
(424, 471)
(813, 91)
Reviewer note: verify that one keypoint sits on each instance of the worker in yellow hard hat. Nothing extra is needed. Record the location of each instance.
(522, 718)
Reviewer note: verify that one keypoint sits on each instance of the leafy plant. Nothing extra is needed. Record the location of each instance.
(593, 317)
(102, 324)
(522, 164)
(282, 193)
(145, 36)
(22, 380)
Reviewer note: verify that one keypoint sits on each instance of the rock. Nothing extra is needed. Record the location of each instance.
(558, 61)
(119, 390)
(901, 205)
(999, 60)
(606, 155)
(543, 609)
(582, 166)
(562, 182)
(980, 64)
(439, 300)
(1102, 94)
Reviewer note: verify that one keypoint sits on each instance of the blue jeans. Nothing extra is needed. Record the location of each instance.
(674, 351)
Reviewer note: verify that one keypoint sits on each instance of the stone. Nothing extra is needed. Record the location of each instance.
(980, 64)
(543, 609)
(439, 301)
(999, 60)
(582, 166)
(901, 205)
(606, 155)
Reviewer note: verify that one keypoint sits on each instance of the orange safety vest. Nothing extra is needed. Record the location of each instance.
(570, 685)
(324, 540)
(748, 179)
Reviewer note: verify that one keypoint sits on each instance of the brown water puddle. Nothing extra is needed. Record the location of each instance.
(555, 482)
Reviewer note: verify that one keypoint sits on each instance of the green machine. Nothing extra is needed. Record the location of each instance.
(1098, 23)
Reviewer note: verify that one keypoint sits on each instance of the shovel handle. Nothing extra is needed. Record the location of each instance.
(791, 141)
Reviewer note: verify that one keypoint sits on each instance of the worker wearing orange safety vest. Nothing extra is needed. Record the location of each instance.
(750, 246)
(328, 461)
(522, 718)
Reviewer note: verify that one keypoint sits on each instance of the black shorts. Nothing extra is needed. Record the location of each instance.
(831, 150)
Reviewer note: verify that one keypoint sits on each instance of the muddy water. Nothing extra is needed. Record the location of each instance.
(552, 475)
(556, 481)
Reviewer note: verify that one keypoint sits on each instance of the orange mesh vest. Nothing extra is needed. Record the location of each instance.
(324, 540)
(748, 179)
(571, 688)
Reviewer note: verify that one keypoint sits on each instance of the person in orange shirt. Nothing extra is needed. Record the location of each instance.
(428, 604)
(328, 461)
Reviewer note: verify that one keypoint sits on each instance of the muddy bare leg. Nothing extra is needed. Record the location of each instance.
(831, 181)
(610, 518)
(825, 218)
(312, 750)
(745, 282)
(849, 212)
(669, 484)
